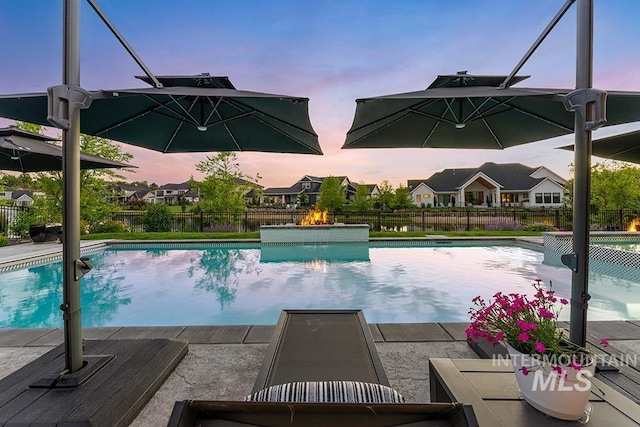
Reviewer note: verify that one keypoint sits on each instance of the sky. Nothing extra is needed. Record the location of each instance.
(332, 52)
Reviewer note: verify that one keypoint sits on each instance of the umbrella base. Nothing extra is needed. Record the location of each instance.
(91, 366)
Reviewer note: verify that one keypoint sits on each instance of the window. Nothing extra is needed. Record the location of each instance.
(547, 197)
(306, 185)
(556, 197)
(418, 198)
(426, 196)
(539, 198)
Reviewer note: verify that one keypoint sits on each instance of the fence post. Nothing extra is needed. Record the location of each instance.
(621, 220)
(557, 219)
(468, 220)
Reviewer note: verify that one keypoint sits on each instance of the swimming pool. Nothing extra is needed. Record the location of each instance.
(248, 284)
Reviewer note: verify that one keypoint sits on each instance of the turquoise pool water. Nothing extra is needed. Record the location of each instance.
(247, 284)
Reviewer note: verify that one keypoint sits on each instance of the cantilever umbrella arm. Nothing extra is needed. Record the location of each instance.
(63, 100)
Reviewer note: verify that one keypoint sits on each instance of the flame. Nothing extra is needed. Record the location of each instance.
(635, 223)
(315, 217)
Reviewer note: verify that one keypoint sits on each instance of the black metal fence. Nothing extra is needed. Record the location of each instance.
(8, 215)
(418, 220)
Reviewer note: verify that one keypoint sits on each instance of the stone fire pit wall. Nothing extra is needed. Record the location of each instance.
(314, 234)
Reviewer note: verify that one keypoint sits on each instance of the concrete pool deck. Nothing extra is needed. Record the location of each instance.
(223, 361)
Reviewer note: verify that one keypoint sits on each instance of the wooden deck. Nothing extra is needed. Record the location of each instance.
(113, 396)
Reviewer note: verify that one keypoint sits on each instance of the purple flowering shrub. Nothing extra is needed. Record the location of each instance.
(503, 225)
(220, 228)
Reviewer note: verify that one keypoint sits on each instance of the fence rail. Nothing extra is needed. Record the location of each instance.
(420, 220)
(8, 215)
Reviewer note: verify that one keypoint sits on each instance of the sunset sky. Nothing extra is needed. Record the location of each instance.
(332, 52)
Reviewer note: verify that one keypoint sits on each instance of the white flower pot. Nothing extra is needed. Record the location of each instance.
(566, 398)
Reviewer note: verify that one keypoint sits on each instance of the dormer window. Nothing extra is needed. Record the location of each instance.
(306, 185)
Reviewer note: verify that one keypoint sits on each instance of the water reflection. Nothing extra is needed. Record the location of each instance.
(250, 284)
(221, 269)
(36, 303)
(345, 252)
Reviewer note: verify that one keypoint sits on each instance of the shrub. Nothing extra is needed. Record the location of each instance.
(540, 227)
(4, 241)
(220, 228)
(503, 225)
(22, 221)
(108, 227)
(157, 218)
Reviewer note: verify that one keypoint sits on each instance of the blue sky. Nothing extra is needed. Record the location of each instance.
(331, 51)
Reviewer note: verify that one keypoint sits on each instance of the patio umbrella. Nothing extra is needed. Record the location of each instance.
(189, 117)
(24, 151)
(464, 111)
(188, 114)
(468, 111)
(624, 147)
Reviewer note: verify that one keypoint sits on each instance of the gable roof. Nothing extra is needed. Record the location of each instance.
(512, 177)
(175, 186)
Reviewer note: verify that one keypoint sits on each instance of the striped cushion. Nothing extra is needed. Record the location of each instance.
(327, 391)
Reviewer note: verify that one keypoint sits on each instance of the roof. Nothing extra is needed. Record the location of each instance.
(16, 194)
(175, 186)
(512, 177)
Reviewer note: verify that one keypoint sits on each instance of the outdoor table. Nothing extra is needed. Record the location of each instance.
(490, 387)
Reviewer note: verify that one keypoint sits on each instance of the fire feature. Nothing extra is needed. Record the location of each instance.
(315, 217)
(635, 224)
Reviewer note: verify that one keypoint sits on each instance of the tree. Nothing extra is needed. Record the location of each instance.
(614, 186)
(363, 200)
(224, 186)
(94, 190)
(332, 194)
(303, 199)
(386, 196)
(402, 198)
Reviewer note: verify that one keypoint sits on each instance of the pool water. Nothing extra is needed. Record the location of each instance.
(247, 284)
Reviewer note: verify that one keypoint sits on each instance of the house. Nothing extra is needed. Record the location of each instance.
(307, 187)
(20, 197)
(491, 184)
(127, 193)
(170, 194)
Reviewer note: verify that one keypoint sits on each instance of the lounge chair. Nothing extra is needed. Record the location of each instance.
(321, 368)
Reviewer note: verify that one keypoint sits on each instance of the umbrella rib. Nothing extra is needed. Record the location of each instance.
(433, 129)
(506, 103)
(144, 113)
(233, 102)
(253, 115)
(401, 113)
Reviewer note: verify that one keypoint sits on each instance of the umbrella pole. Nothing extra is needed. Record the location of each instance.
(71, 193)
(582, 178)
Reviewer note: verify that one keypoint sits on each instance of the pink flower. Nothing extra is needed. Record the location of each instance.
(558, 369)
(525, 326)
(605, 342)
(575, 365)
(564, 301)
(525, 371)
(546, 313)
(540, 348)
(523, 336)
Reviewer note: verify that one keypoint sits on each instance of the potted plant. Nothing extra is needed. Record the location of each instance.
(553, 373)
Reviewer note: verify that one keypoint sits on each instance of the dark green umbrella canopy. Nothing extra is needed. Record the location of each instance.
(24, 151)
(189, 114)
(466, 111)
(624, 147)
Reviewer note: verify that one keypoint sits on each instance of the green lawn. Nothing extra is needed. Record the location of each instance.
(256, 235)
